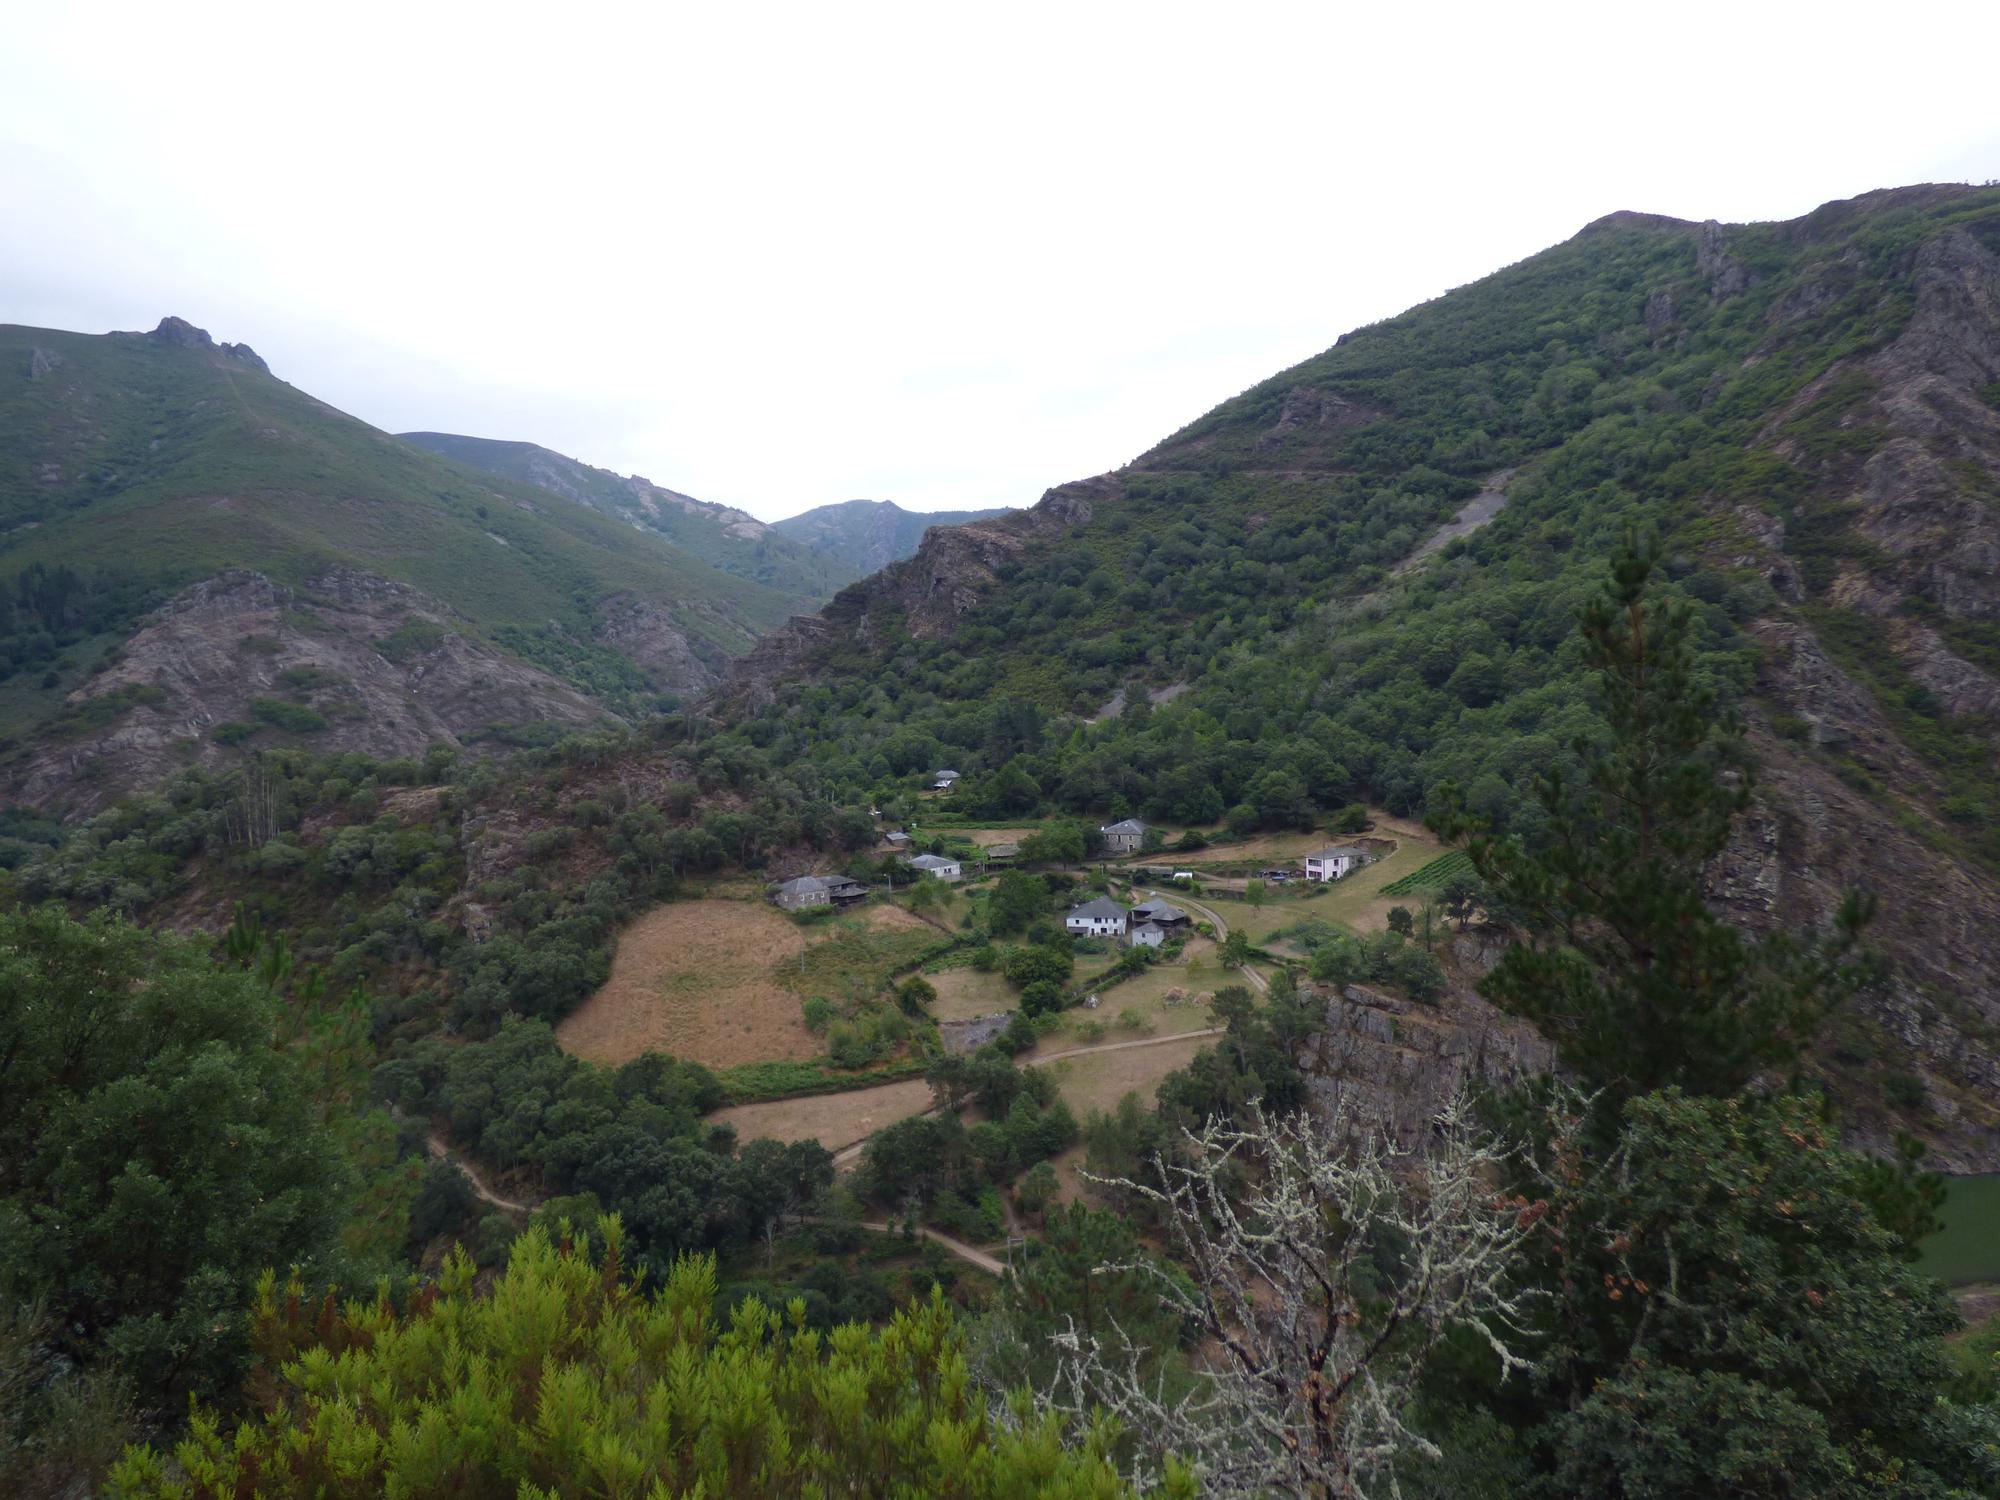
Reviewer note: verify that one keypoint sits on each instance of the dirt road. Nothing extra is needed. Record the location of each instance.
(1250, 975)
(441, 1152)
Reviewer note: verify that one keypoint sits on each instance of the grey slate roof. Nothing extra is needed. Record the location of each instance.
(1103, 909)
(803, 885)
(1159, 911)
(1334, 851)
(1125, 825)
(932, 862)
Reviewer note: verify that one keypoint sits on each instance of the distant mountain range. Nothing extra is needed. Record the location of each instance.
(726, 538)
(198, 559)
(868, 535)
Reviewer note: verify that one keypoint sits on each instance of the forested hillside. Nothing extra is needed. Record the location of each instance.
(1808, 413)
(427, 1121)
(199, 557)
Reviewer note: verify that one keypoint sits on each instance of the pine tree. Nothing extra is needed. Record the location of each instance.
(1621, 960)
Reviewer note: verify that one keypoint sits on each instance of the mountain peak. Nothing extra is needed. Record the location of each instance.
(179, 333)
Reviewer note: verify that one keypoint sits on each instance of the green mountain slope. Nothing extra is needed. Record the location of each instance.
(729, 539)
(136, 466)
(1805, 411)
(868, 535)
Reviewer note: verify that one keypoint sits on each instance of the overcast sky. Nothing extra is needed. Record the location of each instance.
(948, 255)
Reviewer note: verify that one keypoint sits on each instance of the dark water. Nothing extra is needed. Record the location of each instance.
(1968, 1247)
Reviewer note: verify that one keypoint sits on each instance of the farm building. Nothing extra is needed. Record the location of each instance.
(843, 890)
(1334, 862)
(1100, 918)
(936, 866)
(1160, 914)
(896, 841)
(943, 781)
(1123, 837)
(805, 891)
(1148, 935)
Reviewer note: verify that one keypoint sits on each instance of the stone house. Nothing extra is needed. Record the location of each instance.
(1123, 837)
(803, 892)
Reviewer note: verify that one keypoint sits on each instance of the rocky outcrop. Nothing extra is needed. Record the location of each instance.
(650, 635)
(1395, 1062)
(179, 333)
(1727, 276)
(1844, 801)
(347, 661)
(927, 593)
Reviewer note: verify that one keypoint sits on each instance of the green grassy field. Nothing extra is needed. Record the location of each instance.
(1433, 876)
(1968, 1247)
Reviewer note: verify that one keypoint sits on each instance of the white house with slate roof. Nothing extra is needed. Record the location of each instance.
(805, 891)
(1125, 837)
(943, 781)
(1334, 862)
(1100, 918)
(937, 866)
(1148, 935)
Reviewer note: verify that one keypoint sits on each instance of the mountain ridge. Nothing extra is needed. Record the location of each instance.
(136, 467)
(868, 535)
(724, 537)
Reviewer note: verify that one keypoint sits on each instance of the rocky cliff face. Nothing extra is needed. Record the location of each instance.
(348, 661)
(1395, 1062)
(928, 593)
(1908, 483)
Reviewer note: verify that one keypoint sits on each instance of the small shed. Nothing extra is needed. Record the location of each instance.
(937, 867)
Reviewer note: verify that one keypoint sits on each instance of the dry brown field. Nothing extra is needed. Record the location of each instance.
(698, 979)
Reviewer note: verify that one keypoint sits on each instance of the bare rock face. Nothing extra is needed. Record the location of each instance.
(931, 591)
(381, 667)
(650, 636)
(1726, 275)
(179, 333)
(1853, 807)
(1395, 1062)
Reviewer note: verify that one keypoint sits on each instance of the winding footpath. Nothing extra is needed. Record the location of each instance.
(441, 1152)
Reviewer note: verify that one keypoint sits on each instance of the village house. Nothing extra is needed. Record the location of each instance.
(843, 890)
(936, 866)
(1148, 935)
(1160, 915)
(943, 781)
(805, 891)
(1334, 862)
(1100, 918)
(1124, 837)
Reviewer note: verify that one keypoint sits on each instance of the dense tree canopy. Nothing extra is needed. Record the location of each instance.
(157, 1149)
